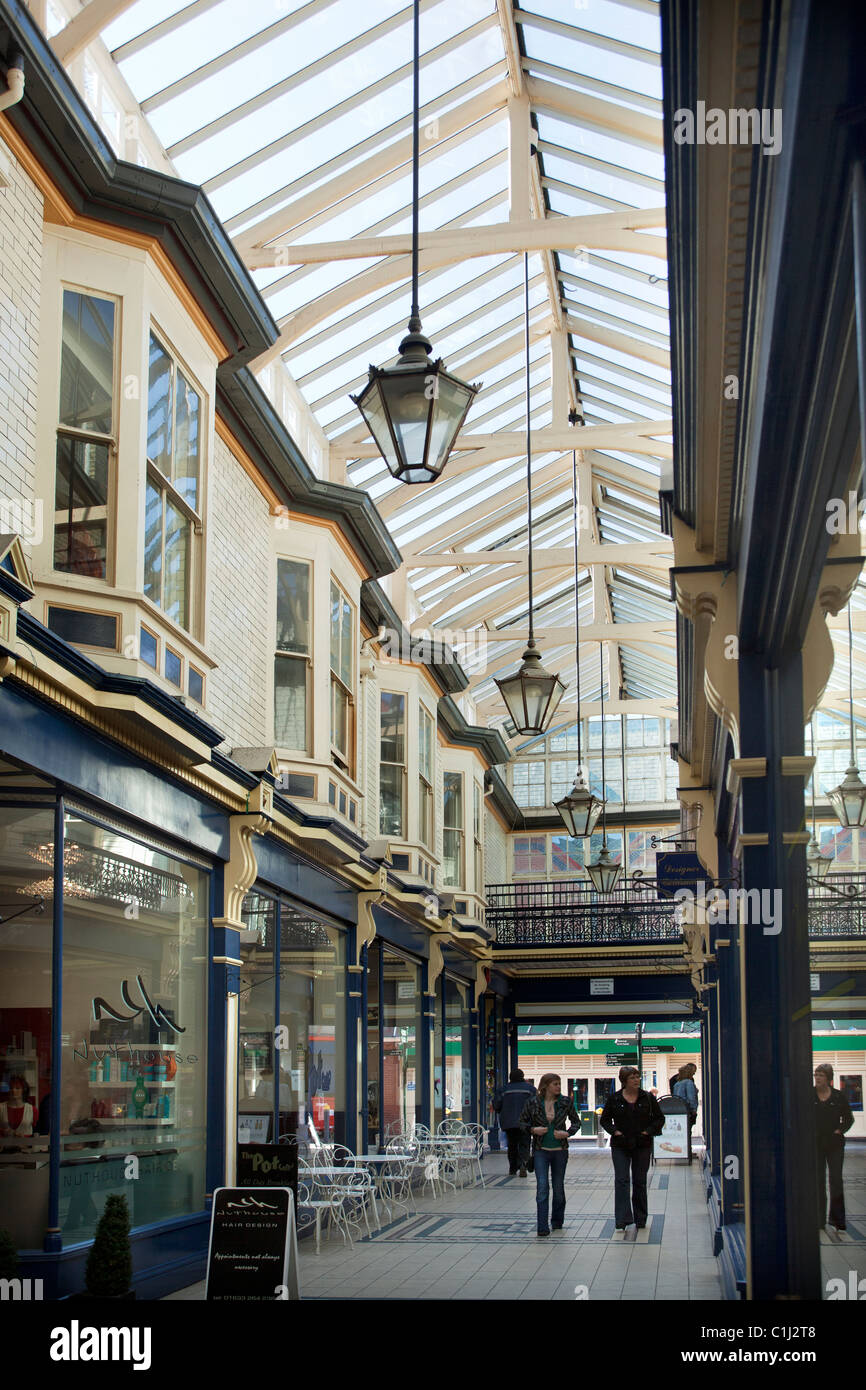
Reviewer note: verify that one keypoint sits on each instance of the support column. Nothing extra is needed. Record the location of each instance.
(783, 1257)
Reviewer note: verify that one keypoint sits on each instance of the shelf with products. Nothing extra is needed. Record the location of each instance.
(116, 1085)
(130, 1120)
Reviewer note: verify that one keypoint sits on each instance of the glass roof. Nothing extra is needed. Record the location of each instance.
(296, 119)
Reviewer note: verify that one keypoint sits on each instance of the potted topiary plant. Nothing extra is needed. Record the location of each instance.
(109, 1264)
(8, 1256)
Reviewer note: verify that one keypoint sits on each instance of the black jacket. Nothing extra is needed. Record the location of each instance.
(646, 1115)
(830, 1115)
(564, 1112)
(509, 1100)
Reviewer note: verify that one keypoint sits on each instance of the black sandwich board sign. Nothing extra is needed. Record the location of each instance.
(675, 1140)
(269, 1165)
(253, 1249)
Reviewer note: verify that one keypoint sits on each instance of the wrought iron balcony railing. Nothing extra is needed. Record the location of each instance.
(571, 913)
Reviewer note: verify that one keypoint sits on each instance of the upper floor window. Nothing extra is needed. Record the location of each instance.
(477, 804)
(425, 778)
(392, 765)
(342, 649)
(173, 524)
(528, 784)
(292, 661)
(86, 434)
(452, 857)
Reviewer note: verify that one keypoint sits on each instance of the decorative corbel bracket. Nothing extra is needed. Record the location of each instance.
(365, 933)
(242, 866)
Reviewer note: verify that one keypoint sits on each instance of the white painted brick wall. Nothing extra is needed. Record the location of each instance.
(239, 601)
(20, 271)
(495, 850)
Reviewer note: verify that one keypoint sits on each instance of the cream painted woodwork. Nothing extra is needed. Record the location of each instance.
(79, 261)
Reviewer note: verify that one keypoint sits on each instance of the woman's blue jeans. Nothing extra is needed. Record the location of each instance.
(550, 1168)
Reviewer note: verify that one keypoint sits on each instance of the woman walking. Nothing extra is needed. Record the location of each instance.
(833, 1116)
(631, 1117)
(545, 1116)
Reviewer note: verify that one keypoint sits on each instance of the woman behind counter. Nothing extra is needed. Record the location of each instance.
(545, 1115)
(631, 1117)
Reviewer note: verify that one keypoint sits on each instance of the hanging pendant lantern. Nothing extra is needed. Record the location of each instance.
(605, 872)
(579, 809)
(415, 410)
(849, 798)
(531, 694)
(817, 864)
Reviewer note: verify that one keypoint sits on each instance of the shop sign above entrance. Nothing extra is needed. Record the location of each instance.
(674, 871)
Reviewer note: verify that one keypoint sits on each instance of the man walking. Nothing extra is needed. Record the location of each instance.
(508, 1102)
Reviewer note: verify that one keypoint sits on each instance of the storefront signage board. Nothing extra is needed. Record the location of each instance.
(601, 985)
(253, 1247)
(619, 1059)
(269, 1165)
(674, 1140)
(675, 871)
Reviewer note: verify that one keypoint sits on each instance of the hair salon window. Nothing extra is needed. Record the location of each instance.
(342, 671)
(86, 434)
(134, 1025)
(292, 660)
(173, 508)
(291, 1070)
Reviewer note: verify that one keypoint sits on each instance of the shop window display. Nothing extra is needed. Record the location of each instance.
(291, 1068)
(133, 1087)
(26, 915)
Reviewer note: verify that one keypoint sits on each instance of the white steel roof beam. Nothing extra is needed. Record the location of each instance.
(86, 26)
(593, 113)
(324, 188)
(618, 342)
(602, 166)
(587, 36)
(234, 55)
(646, 554)
(317, 123)
(511, 444)
(579, 82)
(614, 230)
(168, 26)
(631, 301)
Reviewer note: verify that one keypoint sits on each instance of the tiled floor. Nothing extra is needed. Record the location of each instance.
(480, 1243)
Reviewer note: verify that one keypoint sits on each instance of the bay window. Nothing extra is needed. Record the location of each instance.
(392, 765)
(173, 504)
(86, 435)
(292, 657)
(452, 861)
(342, 647)
(425, 778)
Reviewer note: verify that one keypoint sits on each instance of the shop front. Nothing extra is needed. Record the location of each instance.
(104, 951)
(292, 1023)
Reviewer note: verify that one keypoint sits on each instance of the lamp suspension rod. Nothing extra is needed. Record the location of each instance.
(576, 612)
(851, 684)
(528, 438)
(415, 315)
(623, 860)
(603, 782)
(814, 769)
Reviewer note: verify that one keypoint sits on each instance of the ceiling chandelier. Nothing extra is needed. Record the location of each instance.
(416, 409)
(531, 694)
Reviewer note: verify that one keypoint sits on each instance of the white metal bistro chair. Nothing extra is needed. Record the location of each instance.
(318, 1198)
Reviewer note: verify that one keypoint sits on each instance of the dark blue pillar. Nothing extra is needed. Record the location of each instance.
(781, 1197)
